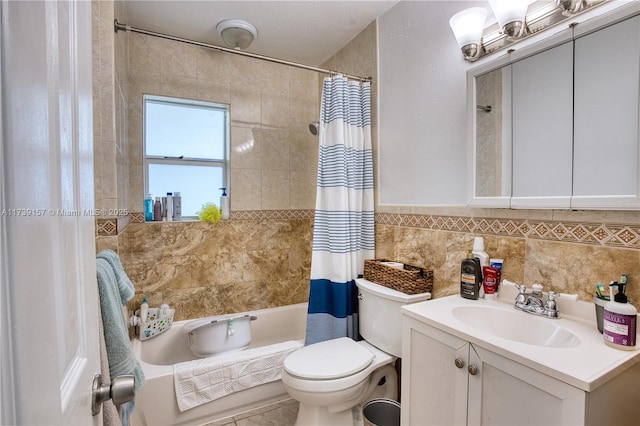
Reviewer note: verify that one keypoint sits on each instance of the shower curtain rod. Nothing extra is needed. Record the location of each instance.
(118, 26)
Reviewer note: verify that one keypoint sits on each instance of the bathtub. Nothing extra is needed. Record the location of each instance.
(156, 403)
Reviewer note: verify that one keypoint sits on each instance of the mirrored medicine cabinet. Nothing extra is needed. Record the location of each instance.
(556, 124)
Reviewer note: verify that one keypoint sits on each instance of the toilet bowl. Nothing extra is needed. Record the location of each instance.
(330, 378)
(328, 390)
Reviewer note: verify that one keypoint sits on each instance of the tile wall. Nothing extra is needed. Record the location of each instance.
(261, 257)
(109, 122)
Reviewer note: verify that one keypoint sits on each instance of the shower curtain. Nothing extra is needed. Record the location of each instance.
(343, 234)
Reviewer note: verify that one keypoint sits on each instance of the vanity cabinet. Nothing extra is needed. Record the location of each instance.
(449, 381)
(574, 124)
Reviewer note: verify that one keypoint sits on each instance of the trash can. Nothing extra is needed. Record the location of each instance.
(381, 412)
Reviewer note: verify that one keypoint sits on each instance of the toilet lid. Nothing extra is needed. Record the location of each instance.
(331, 359)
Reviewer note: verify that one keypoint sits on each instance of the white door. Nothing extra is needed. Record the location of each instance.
(48, 301)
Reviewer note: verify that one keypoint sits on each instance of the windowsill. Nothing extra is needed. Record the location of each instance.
(185, 220)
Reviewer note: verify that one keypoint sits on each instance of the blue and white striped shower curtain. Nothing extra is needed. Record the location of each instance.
(343, 234)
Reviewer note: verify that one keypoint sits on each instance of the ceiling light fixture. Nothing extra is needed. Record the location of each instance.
(236, 33)
(517, 20)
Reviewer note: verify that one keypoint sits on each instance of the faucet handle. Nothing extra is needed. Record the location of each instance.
(550, 305)
(521, 298)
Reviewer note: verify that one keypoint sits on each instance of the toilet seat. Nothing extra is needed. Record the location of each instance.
(328, 360)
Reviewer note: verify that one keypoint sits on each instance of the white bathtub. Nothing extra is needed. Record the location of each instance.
(156, 404)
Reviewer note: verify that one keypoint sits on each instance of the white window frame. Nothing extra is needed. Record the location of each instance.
(147, 160)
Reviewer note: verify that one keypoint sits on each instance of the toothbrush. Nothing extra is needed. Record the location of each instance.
(600, 292)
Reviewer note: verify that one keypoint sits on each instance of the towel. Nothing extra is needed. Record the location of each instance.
(110, 415)
(204, 380)
(116, 338)
(125, 286)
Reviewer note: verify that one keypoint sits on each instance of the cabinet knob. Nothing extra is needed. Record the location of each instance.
(473, 370)
(459, 363)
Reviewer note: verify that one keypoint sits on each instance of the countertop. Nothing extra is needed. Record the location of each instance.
(585, 366)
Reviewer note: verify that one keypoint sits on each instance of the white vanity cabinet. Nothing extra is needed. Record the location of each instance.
(449, 381)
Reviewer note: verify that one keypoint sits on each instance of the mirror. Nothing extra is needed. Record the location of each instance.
(493, 133)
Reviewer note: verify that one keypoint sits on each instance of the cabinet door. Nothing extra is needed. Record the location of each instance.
(607, 80)
(542, 129)
(503, 392)
(434, 389)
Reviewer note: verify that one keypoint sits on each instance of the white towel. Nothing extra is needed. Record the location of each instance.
(203, 380)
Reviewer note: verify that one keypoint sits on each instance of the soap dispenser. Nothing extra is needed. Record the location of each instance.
(224, 204)
(620, 318)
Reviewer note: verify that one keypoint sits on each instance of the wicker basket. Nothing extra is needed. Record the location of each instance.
(409, 280)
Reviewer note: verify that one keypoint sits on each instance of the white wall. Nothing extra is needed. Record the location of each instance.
(422, 80)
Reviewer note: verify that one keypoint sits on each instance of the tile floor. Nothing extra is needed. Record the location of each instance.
(281, 413)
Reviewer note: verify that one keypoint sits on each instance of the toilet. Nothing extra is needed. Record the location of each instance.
(330, 378)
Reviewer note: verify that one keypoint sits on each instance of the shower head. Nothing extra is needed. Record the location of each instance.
(314, 128)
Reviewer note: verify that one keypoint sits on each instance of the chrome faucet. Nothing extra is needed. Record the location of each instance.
(533, 302)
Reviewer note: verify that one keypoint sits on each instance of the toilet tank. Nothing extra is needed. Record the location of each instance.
(379, 316)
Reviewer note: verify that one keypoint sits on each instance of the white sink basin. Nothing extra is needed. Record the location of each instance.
(516, 325)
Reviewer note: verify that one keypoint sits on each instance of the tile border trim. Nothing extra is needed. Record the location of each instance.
(611, 235)
(593, 233)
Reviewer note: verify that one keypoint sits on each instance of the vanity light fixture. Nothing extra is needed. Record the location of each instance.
(511, 16)
(517, 20)
(467, 26)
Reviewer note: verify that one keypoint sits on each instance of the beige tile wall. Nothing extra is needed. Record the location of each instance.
(567, 257)
(273, 155)
(109, 117)
(204, 269)
(261, 257)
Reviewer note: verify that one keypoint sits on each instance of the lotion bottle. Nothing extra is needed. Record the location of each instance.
(157, 210)
(224, 204)
(169, 206)
(620, 318)
(144, 309)
(148, 208)
(479, 253)
(177, 206)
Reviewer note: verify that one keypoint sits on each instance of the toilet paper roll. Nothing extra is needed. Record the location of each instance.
(396, 265)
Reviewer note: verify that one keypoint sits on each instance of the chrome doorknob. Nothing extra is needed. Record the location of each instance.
(121, 390)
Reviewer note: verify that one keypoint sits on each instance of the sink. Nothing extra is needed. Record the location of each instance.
(516, 326)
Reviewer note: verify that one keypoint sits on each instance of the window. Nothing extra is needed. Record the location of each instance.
(186, 146)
